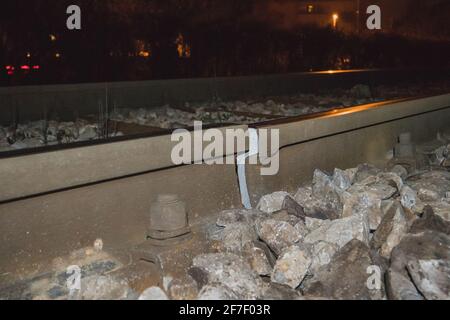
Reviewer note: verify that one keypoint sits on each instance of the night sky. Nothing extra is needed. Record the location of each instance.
(426, 18)
(148, 39)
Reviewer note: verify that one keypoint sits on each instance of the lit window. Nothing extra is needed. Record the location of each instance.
(144, 54)
(183, 49)
(310, 8)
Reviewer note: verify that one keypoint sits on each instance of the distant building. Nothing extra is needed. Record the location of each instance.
(348, 16)
(351, 15)
(341, 15)
(287, 14)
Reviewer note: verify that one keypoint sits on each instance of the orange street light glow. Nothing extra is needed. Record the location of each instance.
(144, 54)
(335, 20)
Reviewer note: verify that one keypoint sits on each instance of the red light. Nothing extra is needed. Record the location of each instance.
(25, 67)
(9, 68)
(36, 67)
(10, 73)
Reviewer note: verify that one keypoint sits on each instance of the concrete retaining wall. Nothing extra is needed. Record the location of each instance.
(69, 101)
(39, 227)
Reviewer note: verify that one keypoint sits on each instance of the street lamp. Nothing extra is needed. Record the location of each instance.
(335, 20)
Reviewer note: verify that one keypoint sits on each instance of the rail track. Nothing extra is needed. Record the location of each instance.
(61, 199)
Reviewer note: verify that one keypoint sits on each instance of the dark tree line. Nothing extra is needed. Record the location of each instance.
(217, 37)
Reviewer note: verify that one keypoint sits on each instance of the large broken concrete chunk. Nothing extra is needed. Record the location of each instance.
(272, 202)
(428, 245)
(293, 208)
(236, 236)
(228, 217)
(345, 278)
(364, 203)
(257, 258)
(410, 199)
(380, 186)
(324, 188)
(392, 229)
(153, 293)
(400, 171)
(303, 195)
(430, 221)
(278, 235)
(269, 253)
(315, 207)
(104, 288)
(217, 293)
(283, 215)
(231, 271)
(292, 267)
(343, 179)
(322, 254)
(399, 287)
(431, 277)
(183, 289)
(302, 229)
(434, 181)
(199, 275)
(441, 208)
(365, 171)
(312, 224)
(366, 198)
(392, 179)
(280, 292)
(428, 195)
(341, 231)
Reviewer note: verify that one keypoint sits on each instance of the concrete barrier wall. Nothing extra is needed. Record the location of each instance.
(68, 101)
(344, 141)
(36, 229)
(34, 174)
